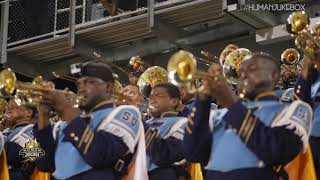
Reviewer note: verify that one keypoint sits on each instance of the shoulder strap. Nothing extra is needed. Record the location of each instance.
(176, 126)
(297, 116)
(20, 138)
(124, 121)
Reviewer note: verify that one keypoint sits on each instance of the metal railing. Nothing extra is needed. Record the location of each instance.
(68, 16)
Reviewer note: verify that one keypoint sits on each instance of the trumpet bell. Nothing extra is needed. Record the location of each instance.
(136, 62)
(297, 22)
(182, 66)
(290, 56)
(150, 78)
(232, 63)
(8, 81)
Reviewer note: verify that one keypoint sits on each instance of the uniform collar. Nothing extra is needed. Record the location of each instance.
(169, 114)
(266, 96)
(21, 125)
(102, 105)
(189, 101)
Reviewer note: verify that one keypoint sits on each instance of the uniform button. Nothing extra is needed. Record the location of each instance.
(260, 164)
(76, 138)
(192, 114)
(299, 87)
(72, 134)
(298, 91)
(194, 109)
(234, 130)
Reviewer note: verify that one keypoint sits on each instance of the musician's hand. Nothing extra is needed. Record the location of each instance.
(43, 116)
(61, 105)
(220, 88)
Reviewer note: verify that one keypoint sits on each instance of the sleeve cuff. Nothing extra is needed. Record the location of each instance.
(79, 134)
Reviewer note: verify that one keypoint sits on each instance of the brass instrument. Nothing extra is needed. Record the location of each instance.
(232, 63)
(290, 56)
(209, 58)
(117, 86)
(64, 77)
(132, 79)
(137, 63)
(182, 70)
(298, 23)
(316, 30)
(26, 93)
(225, 52)
(290, 68)
(3, 109)
(118, 97)
(150, 77)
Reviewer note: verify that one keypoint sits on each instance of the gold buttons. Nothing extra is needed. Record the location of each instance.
(76, 138)
(72, 134)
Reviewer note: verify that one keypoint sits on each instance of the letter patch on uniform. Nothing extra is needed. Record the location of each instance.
(124, 123)
(298, 116)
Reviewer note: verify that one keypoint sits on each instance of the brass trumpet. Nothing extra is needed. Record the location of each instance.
(119, 98)
(298, 23)
(182, 70)
(132, 79)
(209, 58)
(26, 93)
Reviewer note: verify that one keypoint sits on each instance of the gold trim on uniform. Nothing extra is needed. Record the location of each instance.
(250, 130)
(244, 122)
(247, 127)
(88, 144)
(83, 135)
(264, 94)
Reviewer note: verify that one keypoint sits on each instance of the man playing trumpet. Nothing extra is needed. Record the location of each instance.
(251, 139)
(98, 143)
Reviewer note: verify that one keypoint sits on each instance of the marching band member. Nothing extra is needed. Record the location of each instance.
(15, 138)
(165, 131)
(186, 98)
(4, 174)
(247, 140)
(307, 89)
(132, 91)
(97, 144)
